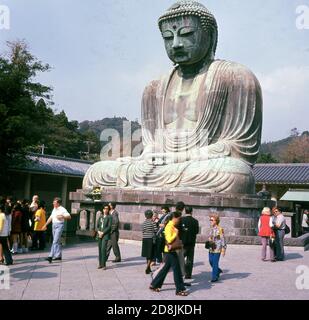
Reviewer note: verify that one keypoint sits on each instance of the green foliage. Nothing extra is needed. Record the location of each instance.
(107, 123)
(27, 120)
(21, 119)
(95, 128)
(266, 158)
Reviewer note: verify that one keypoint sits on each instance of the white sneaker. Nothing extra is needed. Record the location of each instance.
(15, 248)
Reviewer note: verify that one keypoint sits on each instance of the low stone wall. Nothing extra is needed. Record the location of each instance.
(238, 213)
(236, 222)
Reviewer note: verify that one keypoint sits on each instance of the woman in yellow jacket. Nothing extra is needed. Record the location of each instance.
(39, 222)
(170, 259)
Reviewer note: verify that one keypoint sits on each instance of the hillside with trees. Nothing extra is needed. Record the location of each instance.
(293, 149)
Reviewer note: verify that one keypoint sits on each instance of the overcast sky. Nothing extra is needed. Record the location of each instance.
(104, 52)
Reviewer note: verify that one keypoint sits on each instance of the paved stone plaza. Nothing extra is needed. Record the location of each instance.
(76, 277)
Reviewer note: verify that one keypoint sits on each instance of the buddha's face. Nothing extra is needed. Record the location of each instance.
(185, 41)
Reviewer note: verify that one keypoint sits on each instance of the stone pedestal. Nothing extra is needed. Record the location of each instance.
(238, 213)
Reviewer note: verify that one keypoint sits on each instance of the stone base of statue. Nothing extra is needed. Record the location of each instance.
(238, 213)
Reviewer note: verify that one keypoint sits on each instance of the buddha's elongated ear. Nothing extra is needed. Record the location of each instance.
(214, 39)
(213, 36)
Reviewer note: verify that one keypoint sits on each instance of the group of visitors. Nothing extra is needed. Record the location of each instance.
(20, 224)
(23, 226)
(272, 229)
(174, 236)
(169, 240)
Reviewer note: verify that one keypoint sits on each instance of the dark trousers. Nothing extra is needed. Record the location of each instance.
(38, 236)
(170, 261)
(214, 262)
(113, 243)
(189, 260)
(158, 249)
(6, 251)
(279, 243)
(102, 252)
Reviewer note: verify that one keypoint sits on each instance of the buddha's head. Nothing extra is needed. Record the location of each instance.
(190, 33)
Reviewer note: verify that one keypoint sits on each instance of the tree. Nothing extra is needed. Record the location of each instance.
(61, 136)
(297, 150)
(22, 119)
(92, 145)
(294, 132)
(266, 158)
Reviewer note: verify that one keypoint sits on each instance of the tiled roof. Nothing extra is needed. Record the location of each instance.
(279, 173)
(282, 173)
(55, 165)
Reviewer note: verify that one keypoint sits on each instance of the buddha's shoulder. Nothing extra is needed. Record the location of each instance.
(154, 86)
(151, 87)
(231, 70)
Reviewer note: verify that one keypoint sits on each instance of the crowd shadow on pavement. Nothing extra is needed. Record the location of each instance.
(293, 256)
(200, 263)
(236, 275)
(201, 281)
(83, 257)
(37, 275)
(29, 268)
(18, 261)
(123, 264)
(137, 258)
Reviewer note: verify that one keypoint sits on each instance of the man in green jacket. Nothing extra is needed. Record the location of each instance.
(104, 227)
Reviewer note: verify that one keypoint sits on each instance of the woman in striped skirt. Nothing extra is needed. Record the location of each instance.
(149, 236)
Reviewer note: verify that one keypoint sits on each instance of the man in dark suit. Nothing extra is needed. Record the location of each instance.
(113, 242)
(190, 228)
(104, 226)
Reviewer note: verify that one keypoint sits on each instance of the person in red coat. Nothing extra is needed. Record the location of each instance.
(266, 233)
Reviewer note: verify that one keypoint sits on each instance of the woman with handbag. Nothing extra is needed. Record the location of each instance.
(149, 236)
(267, 234)
(104, 228)
(216, 246)
(173, 243)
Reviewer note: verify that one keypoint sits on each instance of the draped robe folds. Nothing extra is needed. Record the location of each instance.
(227, 138)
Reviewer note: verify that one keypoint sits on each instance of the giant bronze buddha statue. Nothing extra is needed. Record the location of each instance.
(201, 123)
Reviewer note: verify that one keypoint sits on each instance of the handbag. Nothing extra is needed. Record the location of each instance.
(210, 245)
(272, 243)
(287, 230)
(175, 245)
